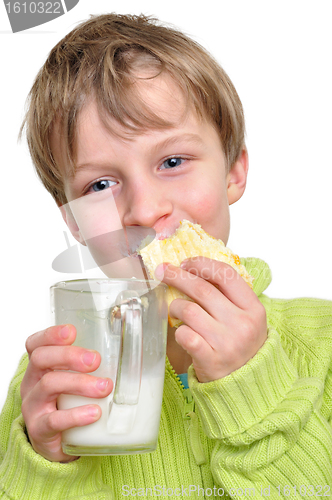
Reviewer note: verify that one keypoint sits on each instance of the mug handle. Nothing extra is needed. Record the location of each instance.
(129, 371)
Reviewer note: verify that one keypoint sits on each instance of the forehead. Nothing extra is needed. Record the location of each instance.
(163, 106)
(159, 103)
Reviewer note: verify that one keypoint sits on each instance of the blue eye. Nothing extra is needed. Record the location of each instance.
(102, 185)
(172, 162)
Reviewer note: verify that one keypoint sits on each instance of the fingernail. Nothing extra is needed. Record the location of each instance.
(65, 332)
(102, 383)
(93, 411)
(184, 264)
(89, 357)
(160, 271)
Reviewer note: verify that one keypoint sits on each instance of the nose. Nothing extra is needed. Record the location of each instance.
(146, 203)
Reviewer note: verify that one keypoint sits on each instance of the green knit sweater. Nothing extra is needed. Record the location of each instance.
(263, 431)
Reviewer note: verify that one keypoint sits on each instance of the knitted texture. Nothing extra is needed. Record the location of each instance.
(262, 429)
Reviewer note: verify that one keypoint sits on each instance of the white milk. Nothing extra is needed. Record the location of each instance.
(128, 428)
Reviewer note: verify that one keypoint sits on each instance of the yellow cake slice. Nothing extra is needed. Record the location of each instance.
(189, 240)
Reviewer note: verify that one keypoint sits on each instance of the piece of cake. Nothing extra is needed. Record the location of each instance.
(189, 240)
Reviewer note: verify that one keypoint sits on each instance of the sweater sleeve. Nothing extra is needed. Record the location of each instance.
(25, 475)
(271, 434)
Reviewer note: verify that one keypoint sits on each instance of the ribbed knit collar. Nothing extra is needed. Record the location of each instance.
(260, 271)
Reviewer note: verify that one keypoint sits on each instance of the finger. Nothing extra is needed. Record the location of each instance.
(208, 366)
(191, 341)
(42, 398)
(45, 432)
(198, 289)
(51, 449)
(57, 421)
(64, 358)
(195, 317)
(199, 350)
(54, 335)
(45, 359)
(222, 275)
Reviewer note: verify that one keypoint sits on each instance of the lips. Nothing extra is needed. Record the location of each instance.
(168, 230)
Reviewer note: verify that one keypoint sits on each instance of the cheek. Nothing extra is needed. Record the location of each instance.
(211, 210)
(209, 202)
(95, 216)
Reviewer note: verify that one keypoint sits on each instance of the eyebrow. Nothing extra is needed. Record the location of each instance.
(170, 141)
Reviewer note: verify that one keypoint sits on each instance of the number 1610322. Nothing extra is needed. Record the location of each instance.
(33, 7)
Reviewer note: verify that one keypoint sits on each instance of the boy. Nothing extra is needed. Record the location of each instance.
(127, 111)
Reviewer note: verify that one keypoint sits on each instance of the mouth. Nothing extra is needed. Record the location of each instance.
(133, 237)
(167, 232)
(163, 235)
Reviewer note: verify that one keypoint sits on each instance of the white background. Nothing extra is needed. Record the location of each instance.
(278, 54)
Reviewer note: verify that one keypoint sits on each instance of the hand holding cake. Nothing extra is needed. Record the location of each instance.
(224, 323)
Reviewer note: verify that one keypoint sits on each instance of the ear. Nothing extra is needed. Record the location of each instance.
(237, 177)
(71, 223)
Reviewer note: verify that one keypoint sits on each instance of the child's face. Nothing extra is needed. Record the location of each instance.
(152, 179)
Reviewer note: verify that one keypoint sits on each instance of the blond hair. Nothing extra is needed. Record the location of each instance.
(100, 58)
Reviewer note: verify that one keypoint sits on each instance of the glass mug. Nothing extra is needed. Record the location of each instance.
(125, 320)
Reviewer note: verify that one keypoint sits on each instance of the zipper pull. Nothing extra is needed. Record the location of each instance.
(189, 404)
(194, 437)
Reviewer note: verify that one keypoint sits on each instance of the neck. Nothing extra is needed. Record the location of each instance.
(178, 357)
